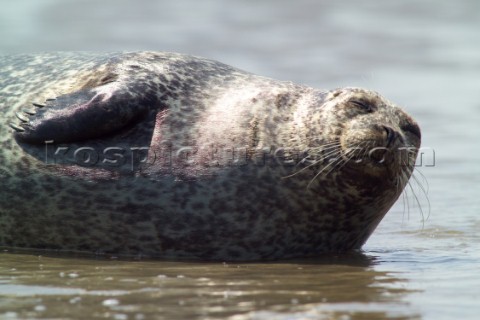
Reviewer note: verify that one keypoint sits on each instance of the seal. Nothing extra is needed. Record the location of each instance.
(174, 156)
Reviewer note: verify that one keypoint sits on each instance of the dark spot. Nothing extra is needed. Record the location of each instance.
(108, 78)
(145, 238)
(198, 206)
(166, 242)
(175, 83)
(282, 99)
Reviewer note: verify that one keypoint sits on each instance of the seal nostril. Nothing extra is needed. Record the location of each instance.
(391, 135)
(413, 129)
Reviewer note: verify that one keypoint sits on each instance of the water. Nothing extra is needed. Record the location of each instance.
(423, 260)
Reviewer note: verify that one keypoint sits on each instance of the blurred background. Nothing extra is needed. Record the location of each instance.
(422, 55)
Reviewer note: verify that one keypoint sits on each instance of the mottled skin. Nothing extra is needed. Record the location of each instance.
(228, 164)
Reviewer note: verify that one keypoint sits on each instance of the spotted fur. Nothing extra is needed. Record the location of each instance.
(216, 163)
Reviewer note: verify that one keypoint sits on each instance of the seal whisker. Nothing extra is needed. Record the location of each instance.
(333, 143)
(328, 152)
(424, 179)
(328, 155)
(408, 171)
(424, 192)
(403, 202)
(322, 170)
(301, 170)
(360, 151)
(418, 202)
(328, 149)
(405, 191)
(342, 162)
(334, 162)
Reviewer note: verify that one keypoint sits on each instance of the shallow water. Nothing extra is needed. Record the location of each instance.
(423, 260)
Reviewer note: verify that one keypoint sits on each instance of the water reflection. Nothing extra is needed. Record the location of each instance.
(40, 286)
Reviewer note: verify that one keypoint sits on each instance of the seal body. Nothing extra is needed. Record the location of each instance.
(174, 156)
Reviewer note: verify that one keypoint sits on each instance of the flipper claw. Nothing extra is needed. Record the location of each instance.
(21, 117)
(16, 127)
(30, 112)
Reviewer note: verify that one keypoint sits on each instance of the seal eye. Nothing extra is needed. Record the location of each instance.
(362, 105)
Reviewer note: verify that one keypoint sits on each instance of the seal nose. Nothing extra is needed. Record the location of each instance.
(391, 134)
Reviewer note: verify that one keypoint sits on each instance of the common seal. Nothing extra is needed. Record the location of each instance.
(174, 156)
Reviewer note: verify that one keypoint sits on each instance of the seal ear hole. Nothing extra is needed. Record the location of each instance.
(362, 105)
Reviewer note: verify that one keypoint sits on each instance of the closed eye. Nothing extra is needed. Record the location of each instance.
(363, 105)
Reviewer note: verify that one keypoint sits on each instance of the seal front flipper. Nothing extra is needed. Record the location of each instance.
(85, 114)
